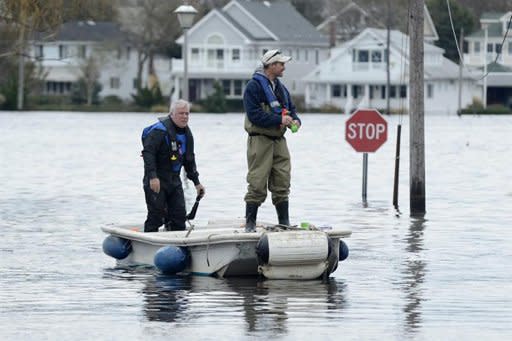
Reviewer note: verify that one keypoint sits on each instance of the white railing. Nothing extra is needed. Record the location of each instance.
(368, 66)
(213, 65)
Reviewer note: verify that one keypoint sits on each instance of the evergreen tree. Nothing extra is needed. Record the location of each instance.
(461, 16)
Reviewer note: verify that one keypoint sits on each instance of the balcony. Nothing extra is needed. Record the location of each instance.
(213, 66)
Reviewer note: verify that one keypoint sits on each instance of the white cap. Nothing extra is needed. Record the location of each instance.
(274, 56)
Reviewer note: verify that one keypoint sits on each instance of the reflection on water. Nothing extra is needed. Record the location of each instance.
(414, 270)
(263, 305)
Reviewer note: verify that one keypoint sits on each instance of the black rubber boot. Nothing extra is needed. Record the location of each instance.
(282, 213)
(251, 211)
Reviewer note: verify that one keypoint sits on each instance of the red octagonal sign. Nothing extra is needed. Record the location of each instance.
(366, 130)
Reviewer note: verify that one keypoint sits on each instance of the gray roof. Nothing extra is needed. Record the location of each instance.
(493, 31)
(86, 31)
(235, 23)
(284, 21)
(492, 15)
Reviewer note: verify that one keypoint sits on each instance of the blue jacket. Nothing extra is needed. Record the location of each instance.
(254, 97)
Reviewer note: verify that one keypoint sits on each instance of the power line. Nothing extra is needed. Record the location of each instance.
(461, 59)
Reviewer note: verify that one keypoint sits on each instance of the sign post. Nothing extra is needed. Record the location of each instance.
(366, 130)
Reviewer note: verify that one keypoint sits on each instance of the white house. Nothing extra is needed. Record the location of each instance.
(355, 76)
(352, 19)
(226, 45)
(484, 47)
(62, 57)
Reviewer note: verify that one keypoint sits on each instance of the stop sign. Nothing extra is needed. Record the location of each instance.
(366, 130)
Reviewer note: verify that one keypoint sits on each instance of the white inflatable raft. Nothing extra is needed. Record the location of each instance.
(223, 248)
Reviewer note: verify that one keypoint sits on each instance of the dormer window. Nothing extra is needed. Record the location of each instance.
(376, 56)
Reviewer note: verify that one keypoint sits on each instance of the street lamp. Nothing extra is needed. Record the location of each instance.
(186, 14)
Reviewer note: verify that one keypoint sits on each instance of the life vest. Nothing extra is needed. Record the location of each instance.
(177, 143)
(270, 95)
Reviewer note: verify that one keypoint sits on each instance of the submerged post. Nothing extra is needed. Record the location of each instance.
(365, 177)
(416, 105)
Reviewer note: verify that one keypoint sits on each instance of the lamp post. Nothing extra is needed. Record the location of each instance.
(186, 14)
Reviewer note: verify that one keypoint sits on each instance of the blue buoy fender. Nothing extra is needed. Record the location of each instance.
(118, 248)
(171, 259)
(343, 250)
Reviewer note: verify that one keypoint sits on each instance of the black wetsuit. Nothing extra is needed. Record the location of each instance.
(165, 151)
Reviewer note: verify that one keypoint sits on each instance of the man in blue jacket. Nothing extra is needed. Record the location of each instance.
(270, 111)
(168, 145)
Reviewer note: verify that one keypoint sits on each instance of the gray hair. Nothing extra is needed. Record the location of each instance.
(179, 104)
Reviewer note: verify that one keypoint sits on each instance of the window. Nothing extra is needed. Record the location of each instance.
(376, 56)
(237, 87)
(114, 83)
(476, 47)
(226, 86)
(306, 55)
(215, 40)
(82, 51)
(63, 51)
(509, 48)
(39, 51)
(128, 50)
(392, 91)
(317, 57)
(119, 53)
(235, 56)
(383, 91)
(195, 54)
(430, 90)
(362, 56)
(498, 48)
(403, 91)
(357, 91)
(489, 47)
(135, 83)
(297, 55)
(336, 90)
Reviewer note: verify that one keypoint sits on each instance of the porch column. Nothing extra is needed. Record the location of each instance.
(306, 96)
(176, 94)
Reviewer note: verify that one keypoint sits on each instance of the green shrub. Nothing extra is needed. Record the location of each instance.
(216, 102)
(111, 100)
(146, 97)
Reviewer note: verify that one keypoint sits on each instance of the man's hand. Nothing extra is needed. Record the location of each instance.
(286, 120)
(200, 190)
(154, 184)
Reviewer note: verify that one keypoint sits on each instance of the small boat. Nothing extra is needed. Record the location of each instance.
(222, 248)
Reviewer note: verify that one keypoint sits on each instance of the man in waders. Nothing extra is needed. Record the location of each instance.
(168, 145)
(269, 111)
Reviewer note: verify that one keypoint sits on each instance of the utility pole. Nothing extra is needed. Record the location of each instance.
(461, 64)
(388, 45)
(417, 109)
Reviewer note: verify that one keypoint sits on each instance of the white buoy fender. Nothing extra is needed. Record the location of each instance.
(292, 247)
(116, 247)
(171, 259)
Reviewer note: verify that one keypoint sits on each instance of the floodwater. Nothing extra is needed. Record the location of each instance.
(445, 276)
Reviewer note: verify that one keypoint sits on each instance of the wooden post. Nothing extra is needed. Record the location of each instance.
(388, 45)
(21, 57)
(417, 109)
(461, 65)
(486, 41)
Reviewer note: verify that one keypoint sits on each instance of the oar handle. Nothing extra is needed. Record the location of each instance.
(193, 211)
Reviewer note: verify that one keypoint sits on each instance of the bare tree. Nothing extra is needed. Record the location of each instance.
(28, 17)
